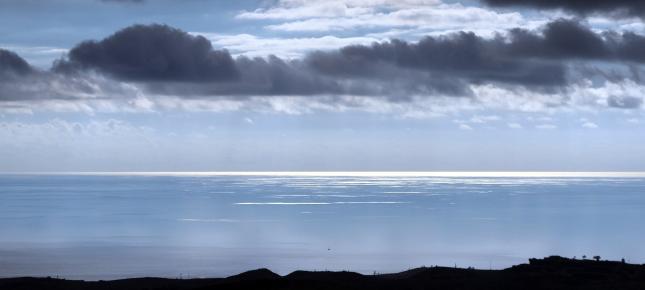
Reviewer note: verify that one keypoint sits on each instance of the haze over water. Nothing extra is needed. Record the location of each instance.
(113, 225)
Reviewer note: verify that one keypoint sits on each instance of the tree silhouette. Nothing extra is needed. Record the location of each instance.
(597, 258)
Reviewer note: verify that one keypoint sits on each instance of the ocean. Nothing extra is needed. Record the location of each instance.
(117, 225)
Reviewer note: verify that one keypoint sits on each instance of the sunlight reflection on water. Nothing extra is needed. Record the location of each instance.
(85, 226)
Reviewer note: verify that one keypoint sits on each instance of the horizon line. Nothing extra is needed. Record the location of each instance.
(634, 174)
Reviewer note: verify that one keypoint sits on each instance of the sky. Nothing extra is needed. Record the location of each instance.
(303, 85)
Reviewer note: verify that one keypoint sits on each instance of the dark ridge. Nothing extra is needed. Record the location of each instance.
(548, 273)
(258, 274)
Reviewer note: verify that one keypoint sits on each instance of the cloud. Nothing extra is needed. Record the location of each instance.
(586, 123)
(152, 53)
(450, 60)
(515, 125)
(152, 67)
(520, 57)
(303, 9)
(559, 39)
(59, 131)
(173, 62)
(624, 102)
(346, 15)
(465, 127)
(39, 56)
(546, 126)
(613, 7)
(479, 119)
(11, 64)
(289, 48)
(570, 39)
(484, 119)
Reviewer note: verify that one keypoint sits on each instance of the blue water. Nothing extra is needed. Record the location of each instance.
(102, 227)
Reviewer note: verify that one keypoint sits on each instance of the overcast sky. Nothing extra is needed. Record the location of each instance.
(196, 85)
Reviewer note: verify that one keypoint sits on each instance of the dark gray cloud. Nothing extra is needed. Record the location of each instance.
(170, 61)
(152, 53)
(161, 60)
(256, 77)
(464, 56)
(570, 40)
(14, 73)
(612, 7)
(560, 39)
(536, 59)
(628, 46)
(12, 64)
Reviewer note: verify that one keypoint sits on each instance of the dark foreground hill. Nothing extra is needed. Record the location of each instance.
(548, 273)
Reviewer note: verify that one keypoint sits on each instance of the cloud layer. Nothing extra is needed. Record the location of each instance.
(615, 7)
(343, 15)
(152, 53)
(144, 65)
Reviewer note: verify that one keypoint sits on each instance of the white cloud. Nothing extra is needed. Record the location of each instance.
(420, 15)
(58, 130)
(254, 46)
(300, 9)
(484, 119)
(585, 94)
(37, 50)
(546, 126)
(465, 127)
(589, 125)
(515, 125)
(516, 99)
(632, 24)
(586, 123)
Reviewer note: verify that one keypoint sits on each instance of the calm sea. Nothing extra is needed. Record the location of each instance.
(114, 226)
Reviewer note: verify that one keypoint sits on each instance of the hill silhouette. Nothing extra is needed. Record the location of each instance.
(548, 273)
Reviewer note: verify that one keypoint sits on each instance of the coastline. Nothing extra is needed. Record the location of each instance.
(548, 273)
(458, 173)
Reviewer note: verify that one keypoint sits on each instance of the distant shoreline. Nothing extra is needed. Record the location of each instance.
(527, 174)
(548, 273)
